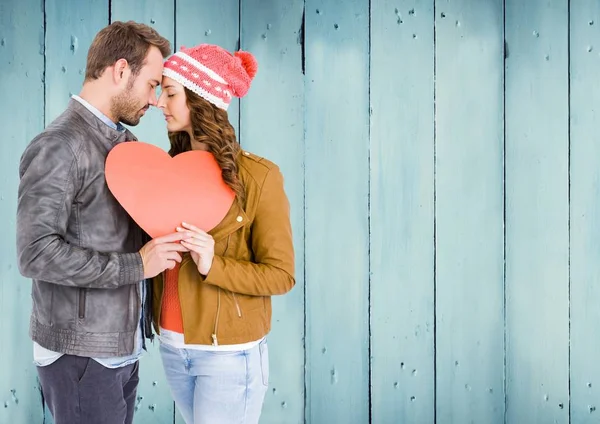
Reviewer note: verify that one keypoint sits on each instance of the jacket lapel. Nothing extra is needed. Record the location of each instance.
(235, 219)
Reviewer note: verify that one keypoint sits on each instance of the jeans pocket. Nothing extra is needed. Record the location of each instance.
(264, 361)
(85, 370)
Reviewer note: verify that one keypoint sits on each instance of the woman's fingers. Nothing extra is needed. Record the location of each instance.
(194, 247)
(198, 242)
(198, 235)
(194, 228)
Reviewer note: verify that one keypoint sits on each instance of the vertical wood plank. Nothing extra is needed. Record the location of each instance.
(537, 212)
(402, 124)
(153, 403)
(206, 21)
(272, 116)
(159, 14)
(337, 222)
(585, 214)
(21, 119)
(70, 29)
(469, 212)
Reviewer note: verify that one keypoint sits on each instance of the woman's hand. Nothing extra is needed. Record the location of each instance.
(201, 246)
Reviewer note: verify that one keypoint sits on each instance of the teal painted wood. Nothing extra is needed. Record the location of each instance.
(70, 29)
(337, 196)
(160, 15)
(469, 212)
(154, 403)
(585, 215)
(402, 307)
(21, 118)
(204, 21)
(272, 117)
(537, 212)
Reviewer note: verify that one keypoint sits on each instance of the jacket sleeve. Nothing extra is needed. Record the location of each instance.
(47, 190)
(272, 271)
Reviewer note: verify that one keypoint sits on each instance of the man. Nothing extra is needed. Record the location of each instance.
(86, 256)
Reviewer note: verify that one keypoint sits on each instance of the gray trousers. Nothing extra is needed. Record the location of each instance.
(79, 390)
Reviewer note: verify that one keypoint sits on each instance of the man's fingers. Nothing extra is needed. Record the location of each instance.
(173, 256)
(174, 237)
(171, 247)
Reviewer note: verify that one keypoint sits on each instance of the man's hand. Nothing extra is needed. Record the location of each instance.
(162, 253)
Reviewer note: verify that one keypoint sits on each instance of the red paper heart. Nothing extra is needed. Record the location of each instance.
(160, 192)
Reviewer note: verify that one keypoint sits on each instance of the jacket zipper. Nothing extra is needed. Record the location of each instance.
(214, 335)
(82, 294)
(239, 311)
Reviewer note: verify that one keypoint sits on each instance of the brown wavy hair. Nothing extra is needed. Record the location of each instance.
(123, 40)
(210, 125)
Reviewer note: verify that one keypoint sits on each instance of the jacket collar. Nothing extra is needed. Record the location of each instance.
(235, 219)
(111, 137)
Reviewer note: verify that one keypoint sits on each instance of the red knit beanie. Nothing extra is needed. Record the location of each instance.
(212, 72)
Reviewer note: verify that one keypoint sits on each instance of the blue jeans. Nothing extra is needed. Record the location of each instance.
(217, 387)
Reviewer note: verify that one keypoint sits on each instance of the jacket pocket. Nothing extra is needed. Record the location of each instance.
(82, 296)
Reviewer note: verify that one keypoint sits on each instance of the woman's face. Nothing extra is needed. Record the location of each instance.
(172, 102)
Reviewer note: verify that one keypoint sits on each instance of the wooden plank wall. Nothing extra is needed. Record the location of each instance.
(22, 80)
(441, 161)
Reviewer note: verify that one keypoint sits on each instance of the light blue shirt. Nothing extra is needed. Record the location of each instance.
(43, 356)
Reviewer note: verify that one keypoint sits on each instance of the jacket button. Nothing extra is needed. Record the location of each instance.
(239, 219)
(247, 154)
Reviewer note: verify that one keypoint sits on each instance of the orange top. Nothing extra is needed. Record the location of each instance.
(170, 315)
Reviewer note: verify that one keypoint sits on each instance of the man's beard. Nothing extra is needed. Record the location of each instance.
(125, 108)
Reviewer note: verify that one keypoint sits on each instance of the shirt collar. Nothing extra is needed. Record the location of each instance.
(99, 114)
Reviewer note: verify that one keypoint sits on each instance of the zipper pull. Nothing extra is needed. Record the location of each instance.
(215, 342)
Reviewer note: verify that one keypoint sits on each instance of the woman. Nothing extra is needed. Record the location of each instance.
(213, 311)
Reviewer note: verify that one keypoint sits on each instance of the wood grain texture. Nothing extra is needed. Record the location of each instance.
(70, 29)
(337, 202)
(401, 212)
(537, 212)
(469, 212)
(21, 118)
(584, 211)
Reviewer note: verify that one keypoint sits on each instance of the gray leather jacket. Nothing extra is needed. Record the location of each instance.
(76, 242)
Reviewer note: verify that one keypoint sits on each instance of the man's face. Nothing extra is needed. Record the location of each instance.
(140, 93)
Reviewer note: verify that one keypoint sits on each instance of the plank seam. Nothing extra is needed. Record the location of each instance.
(370, 306)
(504, 54)
(434, 212)
(569, 189)
(303, 41)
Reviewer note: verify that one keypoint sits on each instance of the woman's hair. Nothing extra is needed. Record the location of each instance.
(210, 125)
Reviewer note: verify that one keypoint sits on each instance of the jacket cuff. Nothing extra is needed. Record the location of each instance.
(131, 268)
(216, 271)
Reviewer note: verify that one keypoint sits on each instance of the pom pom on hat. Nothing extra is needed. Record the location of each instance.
(248, 62)
(212, 72)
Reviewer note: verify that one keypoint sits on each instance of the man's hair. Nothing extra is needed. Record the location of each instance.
(123, 40)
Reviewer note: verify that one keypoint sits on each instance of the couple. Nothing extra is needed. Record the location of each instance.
(99, 283)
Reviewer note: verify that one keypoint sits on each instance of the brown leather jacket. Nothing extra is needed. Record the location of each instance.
(254, 259)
